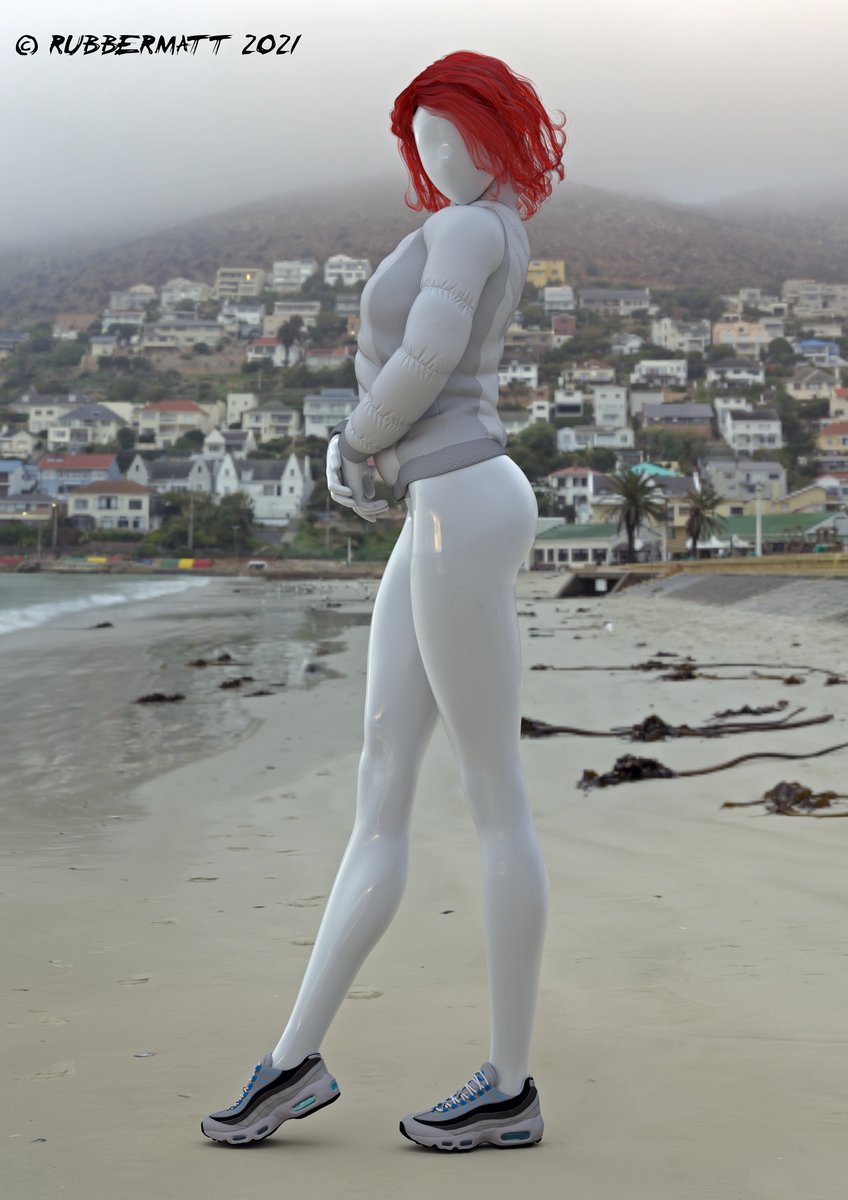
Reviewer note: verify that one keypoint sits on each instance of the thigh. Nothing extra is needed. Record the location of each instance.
(400, 710)
(463, 602)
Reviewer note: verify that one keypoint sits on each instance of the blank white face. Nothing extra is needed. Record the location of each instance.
(445, 158)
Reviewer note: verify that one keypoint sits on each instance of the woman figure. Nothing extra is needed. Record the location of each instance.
(444, 641)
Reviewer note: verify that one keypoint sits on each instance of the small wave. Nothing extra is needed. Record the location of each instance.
(32, 615)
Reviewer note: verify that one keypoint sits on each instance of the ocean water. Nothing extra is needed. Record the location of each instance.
(73, 742)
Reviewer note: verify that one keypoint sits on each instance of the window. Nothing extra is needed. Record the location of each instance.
(123, 522)
(579, 555)
(107, 501)
(135, 504)
(81, 505)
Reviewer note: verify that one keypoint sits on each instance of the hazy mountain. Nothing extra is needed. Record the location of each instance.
(603, 236)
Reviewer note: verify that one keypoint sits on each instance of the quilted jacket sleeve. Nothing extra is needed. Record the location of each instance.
(465, 246)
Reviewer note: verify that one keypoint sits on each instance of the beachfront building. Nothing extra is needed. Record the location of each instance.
(742, 371)
(324, 410)
(341, 268)
(273, 421)
(58, 474)
(86, 425)
(239, 283)
(163, 475)
(164, 422)
(278, 489)
(664, 372)
(567, 546)
(110, 504)
(290, 274)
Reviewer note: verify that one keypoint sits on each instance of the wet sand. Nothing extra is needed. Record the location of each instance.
(690, 1037)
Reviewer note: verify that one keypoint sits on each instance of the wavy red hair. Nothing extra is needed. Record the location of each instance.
(502, 121)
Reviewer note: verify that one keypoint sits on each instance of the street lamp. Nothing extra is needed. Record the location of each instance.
(235, 529)
(26, 514)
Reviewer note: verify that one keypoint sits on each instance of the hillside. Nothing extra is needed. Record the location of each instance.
(603, 237)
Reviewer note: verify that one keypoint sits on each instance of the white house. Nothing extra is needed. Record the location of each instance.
(728, 371)
(565, 546)
(238, 403)
(219, 442)
(811, 383)
(749, 338)
(272, 421)
(671, 372)
(341, 268)
(609, 405)
(278, 489)
(574, 487)
(323, 411)
(290, 274)
(110, 504)
(515, 371)
(558, 299)
(163, 422)
(626, 343)
(620, 302)
(572, 438)
(85, 425)
(758, 429)
(178, 291)
(16, 443)
(268, 349)
(681, 337)
(171, 474)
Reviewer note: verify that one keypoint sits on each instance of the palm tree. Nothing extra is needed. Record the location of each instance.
(704, 520)
(289, 333)
(638, 501)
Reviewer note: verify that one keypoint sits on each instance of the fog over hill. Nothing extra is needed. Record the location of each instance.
(753, 239)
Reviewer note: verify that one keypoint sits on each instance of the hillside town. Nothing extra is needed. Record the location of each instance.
(225, 392)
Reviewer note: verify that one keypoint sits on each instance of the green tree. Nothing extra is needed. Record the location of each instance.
(704, 520)
(637, 503)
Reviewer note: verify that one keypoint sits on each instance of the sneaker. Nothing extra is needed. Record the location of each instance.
(477, 1115)
(271, 1097)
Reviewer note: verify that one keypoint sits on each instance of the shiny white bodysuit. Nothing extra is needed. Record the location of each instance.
(444, 643)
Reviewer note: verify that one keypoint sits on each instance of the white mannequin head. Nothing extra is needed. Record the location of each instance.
(445, 158)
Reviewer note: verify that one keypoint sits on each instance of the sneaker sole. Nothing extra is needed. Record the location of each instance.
(510, 1137)
(270, 1122)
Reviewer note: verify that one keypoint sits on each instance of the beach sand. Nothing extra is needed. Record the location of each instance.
(690, 1040)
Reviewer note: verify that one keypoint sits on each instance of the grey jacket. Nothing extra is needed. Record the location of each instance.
(433, 319)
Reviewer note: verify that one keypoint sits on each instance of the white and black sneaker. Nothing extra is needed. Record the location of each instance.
(271, 1097)
(479, 1115)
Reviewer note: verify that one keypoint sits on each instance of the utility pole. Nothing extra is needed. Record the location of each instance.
(191, 520)
(55, 508)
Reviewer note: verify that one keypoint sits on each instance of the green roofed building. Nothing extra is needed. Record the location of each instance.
(564, 546)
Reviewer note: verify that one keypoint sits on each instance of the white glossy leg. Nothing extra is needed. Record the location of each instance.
(444, 642)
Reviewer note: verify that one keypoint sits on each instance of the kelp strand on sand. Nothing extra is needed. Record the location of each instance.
(654, 729)
(793, 800)
(687, 668)
(629, 768)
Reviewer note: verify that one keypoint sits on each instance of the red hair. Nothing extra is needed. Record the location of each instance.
(506, 129)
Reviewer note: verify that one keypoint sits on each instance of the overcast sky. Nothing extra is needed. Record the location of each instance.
(681, 98)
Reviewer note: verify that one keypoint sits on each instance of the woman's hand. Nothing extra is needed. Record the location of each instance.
(350, 484)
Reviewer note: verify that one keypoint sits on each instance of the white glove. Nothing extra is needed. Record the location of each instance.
(351, 484)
